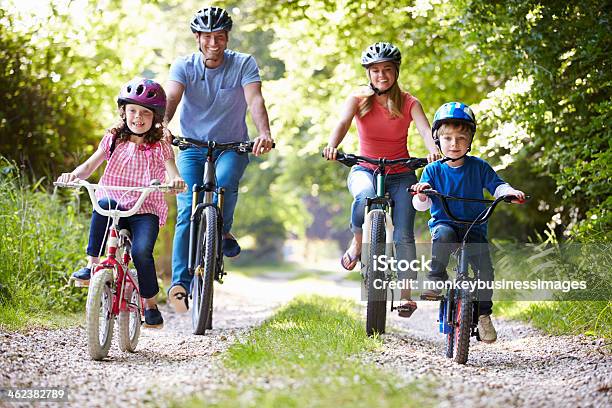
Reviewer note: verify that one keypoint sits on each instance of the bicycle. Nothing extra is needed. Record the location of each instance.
(205, 262)
(113, 290)
(378, 238)
(459, 307)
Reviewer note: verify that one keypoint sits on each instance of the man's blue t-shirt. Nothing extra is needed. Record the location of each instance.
(213, 106)
(466, 181)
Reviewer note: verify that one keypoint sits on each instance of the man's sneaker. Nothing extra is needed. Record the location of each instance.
(230, 247)
(153, 319)
(177, 297)
(486, 331)
(82, 276)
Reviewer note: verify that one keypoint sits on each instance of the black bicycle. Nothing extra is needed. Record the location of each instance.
(378, 237)
(206, 232)
(459, 307)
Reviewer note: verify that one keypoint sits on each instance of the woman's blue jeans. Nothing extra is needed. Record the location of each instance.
(361, 184)
(230, 167)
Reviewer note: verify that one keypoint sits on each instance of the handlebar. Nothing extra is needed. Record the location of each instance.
(350, 160)
(240, 147)
(91, 189)
(482, 218)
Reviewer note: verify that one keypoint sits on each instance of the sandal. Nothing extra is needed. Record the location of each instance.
(407, 309)
(177, 297)
(348, 262)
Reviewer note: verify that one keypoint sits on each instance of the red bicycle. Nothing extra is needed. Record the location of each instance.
(113, 290)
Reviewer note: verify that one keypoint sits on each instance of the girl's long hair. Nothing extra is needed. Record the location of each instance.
(122, 133)
(395, 101)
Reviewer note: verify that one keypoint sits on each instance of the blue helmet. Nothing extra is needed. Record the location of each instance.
(453, 111)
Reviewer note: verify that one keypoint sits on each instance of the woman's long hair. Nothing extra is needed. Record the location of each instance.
(395, 101)
(122, 133)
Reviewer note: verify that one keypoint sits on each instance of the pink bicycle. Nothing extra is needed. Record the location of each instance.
(113, 289)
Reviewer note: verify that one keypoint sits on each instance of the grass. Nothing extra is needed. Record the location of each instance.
(307, 355)
(17, 319)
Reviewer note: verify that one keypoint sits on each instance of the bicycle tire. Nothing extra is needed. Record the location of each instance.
(206, 257)
(463, 327)
(129, 324)
(450, 336)
(99, 307)
(376, 313)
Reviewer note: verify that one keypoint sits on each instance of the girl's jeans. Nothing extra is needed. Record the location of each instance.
(361, 184)
(445, 238)
(143, 229)
(230, 167)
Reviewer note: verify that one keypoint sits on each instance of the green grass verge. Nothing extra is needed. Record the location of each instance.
(592, 318)
(307, 355)
(17, 319)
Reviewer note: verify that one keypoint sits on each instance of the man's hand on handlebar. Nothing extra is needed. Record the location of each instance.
(262, 144)
(330, 153)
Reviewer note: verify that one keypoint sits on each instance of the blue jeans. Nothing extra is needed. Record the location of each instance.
(361, 184)
(144, 229)
(445, 238)
(230, 167)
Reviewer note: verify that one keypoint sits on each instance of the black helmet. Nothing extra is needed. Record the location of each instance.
(381, 52)
(211, 19)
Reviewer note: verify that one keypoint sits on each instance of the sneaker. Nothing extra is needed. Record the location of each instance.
(82, 276)
(230, 247)
(177, 297)
(486, 331)
(153, 319)
(431, 294)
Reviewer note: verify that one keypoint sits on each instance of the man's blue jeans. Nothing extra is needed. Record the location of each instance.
(230, 167)
(361, 184)
(445, 238)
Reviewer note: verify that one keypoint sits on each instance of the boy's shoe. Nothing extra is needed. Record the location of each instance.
(230, 247)
(82, 277)
(153, 319)
(486, 330)
(177, 297)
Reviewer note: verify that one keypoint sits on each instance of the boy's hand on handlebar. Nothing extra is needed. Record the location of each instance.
(330, 153)
(418, 187)
(67, 178)
(432, 157)
(520, 196)
(262, 144)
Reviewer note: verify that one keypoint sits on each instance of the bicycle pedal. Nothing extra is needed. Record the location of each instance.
(432, 298)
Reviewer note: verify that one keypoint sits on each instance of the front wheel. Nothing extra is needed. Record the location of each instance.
(462, 326)
(206, 261)
(376, 314)
(129, 323)
(100, 319)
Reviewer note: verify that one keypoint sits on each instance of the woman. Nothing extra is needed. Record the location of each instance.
(383, 114)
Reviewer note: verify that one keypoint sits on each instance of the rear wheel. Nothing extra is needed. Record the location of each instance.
(100, 320)
(206, 257)
(463, 326)
(376, 313)
(129, 323)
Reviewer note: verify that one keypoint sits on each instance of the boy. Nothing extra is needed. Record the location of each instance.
(453, 130)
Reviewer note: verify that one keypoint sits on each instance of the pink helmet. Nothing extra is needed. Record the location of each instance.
(143, 92)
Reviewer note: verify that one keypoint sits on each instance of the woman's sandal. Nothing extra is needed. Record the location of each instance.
(407, 309)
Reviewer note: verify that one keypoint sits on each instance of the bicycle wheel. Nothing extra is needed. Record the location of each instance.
(463, 326)
(129, 323)
(206, 261)
(100, 319)
(450, 336)
(376, 313)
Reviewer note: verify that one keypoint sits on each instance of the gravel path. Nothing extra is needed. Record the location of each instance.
(524, 368)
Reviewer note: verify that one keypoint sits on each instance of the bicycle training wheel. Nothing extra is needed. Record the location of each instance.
(129, 323)
(376, 313)
(206, 261)
(100, 319)
(463, 326)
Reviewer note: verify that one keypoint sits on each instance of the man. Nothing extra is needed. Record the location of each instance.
(216, 86)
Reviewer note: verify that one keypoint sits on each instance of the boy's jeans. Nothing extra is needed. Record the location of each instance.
(443, 238)
(144, 229)
(361, 185)
(230, 167)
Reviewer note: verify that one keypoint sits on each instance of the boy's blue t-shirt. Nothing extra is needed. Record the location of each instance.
(213, 106)
(466, 181)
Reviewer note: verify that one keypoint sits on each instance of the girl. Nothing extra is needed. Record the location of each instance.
(384, 113)
(136, 154)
